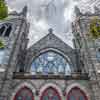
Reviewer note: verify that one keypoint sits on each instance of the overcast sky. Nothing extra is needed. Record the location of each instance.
(56, 14)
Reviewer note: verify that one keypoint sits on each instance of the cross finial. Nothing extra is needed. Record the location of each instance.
(50, 30)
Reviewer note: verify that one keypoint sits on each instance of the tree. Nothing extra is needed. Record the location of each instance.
(95, 28)
(1, 44)
(3, 10)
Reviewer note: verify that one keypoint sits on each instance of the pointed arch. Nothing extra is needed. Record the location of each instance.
(74, 89)
(5, 29)
(76, 94)
(53, 87)
(24, 85)
(44, 50)
(59, 64)
(24, 94)
(50, 93)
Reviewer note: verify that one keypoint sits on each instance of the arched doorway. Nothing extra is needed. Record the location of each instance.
(50, 94)
(24, 94)
(76, 94)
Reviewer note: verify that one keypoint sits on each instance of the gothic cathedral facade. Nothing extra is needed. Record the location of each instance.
(49, 69)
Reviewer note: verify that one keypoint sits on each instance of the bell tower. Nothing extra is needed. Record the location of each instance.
(86, 31)
(14, 30)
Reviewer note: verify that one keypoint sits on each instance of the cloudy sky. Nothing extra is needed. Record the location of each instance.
(56, 14)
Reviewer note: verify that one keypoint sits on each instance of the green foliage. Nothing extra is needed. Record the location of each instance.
(1, 44)
(95, 28)
(3, 10)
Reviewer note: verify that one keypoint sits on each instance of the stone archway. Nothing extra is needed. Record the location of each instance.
(76, 94)
(50, 93)
(84, 90)
(24, 93)
(28, 86)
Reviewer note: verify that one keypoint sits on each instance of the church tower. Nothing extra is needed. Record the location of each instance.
(13, 38)
(86, 31)
(50, 69)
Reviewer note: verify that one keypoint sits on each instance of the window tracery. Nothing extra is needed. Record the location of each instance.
(24, 94)
(76, 94)
(50, 94)
(50, 62)
(5, 29)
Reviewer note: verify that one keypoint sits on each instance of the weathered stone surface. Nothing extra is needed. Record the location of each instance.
(20, 59)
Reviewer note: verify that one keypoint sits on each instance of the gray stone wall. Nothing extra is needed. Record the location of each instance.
(88, 50)
(62, 86)
(18, 53)
(16, 40)
(51, 43)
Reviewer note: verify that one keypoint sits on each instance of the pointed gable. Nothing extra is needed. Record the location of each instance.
(50, 42)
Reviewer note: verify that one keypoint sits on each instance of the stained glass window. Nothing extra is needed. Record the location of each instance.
(76, 94)
(50, 94)
(5, 29)
(24, 94)
(50, 62)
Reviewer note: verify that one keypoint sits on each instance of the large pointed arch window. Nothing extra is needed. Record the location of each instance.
(50, 62)
(50, 94)
(76, 94)
(5, 29)
(24, 94)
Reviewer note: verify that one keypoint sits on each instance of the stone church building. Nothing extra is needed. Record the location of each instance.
(49, 69)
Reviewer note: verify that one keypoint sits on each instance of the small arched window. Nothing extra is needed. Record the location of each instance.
(24, 94)
(76, 94)
(50, 94)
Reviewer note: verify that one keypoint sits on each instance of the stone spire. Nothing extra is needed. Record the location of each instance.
(24, 11)
(77, 11)
(3, 9)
